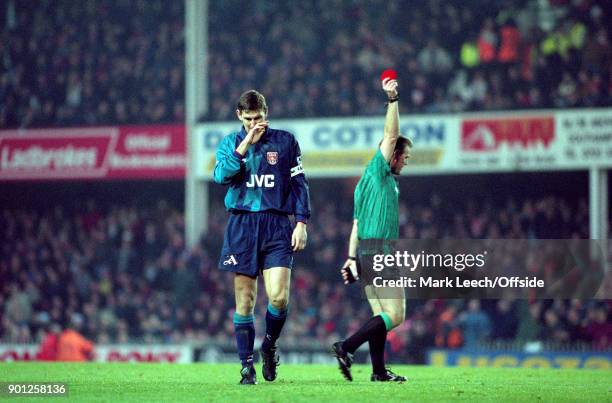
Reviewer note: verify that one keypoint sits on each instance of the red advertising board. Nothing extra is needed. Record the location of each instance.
(109, 353)
(483, 135)
(149, 152)
(126, 152)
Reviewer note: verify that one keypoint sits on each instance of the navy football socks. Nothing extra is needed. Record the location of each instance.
(275, 320)
(244, 329)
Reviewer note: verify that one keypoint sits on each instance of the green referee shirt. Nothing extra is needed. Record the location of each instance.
(377, 201)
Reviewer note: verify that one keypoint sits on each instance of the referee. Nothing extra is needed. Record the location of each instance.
(376, 218)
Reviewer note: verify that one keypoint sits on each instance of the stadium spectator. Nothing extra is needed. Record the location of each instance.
(469, 54)
(504, 321)
(553, 329)
(510, 42)
(50, 343)
(487, 42)
(434, 60)
(18, 305)
(448, 333)
(475, 324)
(419, 339)
(529, 321)
(72, 346)
(599, 328)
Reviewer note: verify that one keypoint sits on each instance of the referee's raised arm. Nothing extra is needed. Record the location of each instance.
(391, 133)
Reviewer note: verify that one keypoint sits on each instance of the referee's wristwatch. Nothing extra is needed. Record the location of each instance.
(390, 100)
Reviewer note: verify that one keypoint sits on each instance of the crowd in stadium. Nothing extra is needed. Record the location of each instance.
(487, 55)
(119, 273)
(123, 274)
(91, 63)
(120, 62)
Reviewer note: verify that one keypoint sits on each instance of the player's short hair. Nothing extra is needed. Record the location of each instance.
(252, 100)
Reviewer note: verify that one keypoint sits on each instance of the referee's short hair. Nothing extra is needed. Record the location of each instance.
(252, 100)
(400, 144)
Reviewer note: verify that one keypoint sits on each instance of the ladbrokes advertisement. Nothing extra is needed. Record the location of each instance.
(126, 152)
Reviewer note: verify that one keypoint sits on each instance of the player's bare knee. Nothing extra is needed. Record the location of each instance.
(279, 303)
(280, 299)
(245, 308)
(245, 302)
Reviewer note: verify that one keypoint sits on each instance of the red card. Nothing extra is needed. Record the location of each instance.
(389, 73)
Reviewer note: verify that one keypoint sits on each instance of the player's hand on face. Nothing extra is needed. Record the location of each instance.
(349, 266)
(299, 237)
(390, 87)
(255, 133)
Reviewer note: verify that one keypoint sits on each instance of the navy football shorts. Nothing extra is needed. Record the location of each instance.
(256, 241)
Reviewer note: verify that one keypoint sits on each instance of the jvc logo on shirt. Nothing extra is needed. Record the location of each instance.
(266, 181)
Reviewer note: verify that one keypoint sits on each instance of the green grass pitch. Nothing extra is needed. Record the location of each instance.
(309, 383)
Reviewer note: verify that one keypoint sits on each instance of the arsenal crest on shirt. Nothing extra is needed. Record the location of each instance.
(272, 157)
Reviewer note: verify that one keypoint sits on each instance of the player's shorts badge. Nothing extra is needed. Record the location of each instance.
(272, 157)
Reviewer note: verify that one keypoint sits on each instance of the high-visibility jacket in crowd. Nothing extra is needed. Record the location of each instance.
(469, 55)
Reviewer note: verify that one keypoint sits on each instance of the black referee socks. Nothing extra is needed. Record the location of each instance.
(374, 331)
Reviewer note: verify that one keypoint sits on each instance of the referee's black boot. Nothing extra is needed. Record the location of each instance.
(270, 361)
(345, 360)
(387, 376)
(249, 377)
